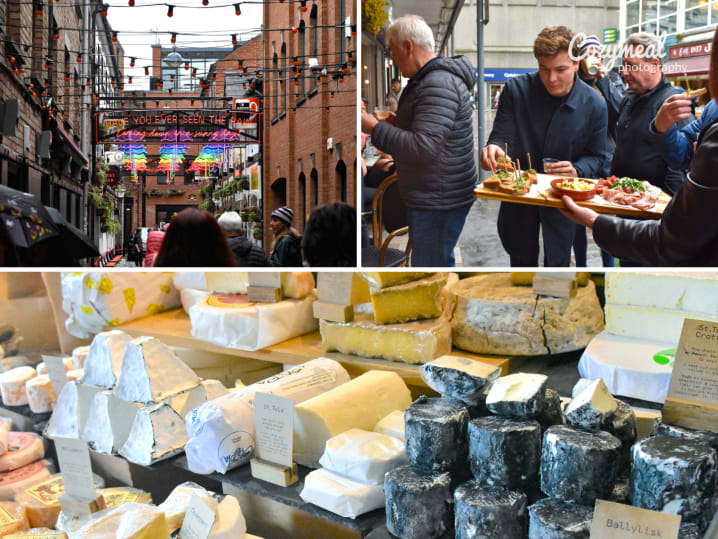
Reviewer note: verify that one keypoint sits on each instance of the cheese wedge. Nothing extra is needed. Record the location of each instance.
(143, 522)
(157, 433)
(415, 300)
(23, 448)
(176, 504)
(12, 518)
(229, 522)
(104, 360)
(382, 279)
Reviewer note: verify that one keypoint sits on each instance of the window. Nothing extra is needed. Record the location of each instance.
(302, 53)
(285, 74)
(275, 85)
(314, 39)
(631, 13)
(340, 30)
(696, 17)
(303, 196)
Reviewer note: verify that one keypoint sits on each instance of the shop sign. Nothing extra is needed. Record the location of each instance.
(610, 35)
(686, 51)
(113, 177)
(502, 75)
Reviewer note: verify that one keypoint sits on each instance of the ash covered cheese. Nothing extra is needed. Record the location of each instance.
(143, 522)
(518, 395)
(40, 394)
(558, 519)
(459, 377)
(436, 435)
(552, 413)
(418, 506)
(360, 403)
(151, 372)
(176, 504)
(493, 317)
(578, 465)
(412, 342)
(382, 279)
(674, 475)
(341, 495)
(157, 433)
(12, 385)
(489, 512)
(104, 360)
(392, 425)
(363, 456)
(704, 437)
(582, 384)
(623, 427)
(505, 452)
(79, 356)
(593, 408)
(415, 300)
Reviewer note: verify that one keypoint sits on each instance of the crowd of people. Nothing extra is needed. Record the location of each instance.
(593, 121)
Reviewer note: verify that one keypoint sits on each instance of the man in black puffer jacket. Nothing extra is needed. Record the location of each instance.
(431, 141)
(246, 254)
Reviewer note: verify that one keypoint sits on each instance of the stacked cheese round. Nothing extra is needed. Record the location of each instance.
(12, 385)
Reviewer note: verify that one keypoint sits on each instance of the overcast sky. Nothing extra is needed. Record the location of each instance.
(147, 23)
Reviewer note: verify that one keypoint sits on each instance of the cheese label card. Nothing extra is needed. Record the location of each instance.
(48, 492)
(693, 392)
(198, 519)
(617, 521)
(56, 371)
(74, 459)
(118, 496)
(274, 427)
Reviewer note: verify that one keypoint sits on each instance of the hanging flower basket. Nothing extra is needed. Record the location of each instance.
(257, 217)
(257, 233)
(244, 184)
(244, 215)
(374, 15)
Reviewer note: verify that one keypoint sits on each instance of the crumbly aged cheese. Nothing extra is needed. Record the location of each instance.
(592, 409)
(5, 425)
(360, 403)
(363, 456)
(417, 505)
(518, 395)
(341, 495)
(674, 475)
(436, 438)
(79, 356)
(234, 282)
(552, 413)
(413, 342)
(505, 452)
(493, 317)
(392, 425)
(143, 522)
(104, 361)
(459, 377)
(151, 372)
(382, 279)
(176, 504)
(12, 518)
(645, 422)
(12, 385)
(68, 362)
(415, 300)
(42, 502)
(40, 394)
(229, 521)
(578, 465)
(157, 433)
(558, 519)
(221, 431)
(23, 448)
(489, 512)
(183, 403)
(11, 483)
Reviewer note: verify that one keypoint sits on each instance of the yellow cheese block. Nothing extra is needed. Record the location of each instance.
(382, 279)
(413, 342)
(415, 300)
(645, 420)
(143, 522)
(120, 495)
(360, 403)
(12, 518)
(522, 278)
(37, 533)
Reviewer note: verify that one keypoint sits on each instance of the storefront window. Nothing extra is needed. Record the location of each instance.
(649, 27)
(667, 25)
(668, 7)
(631, 13)
(694, 3)
(697, 17)
(649, 10)
(714, 12)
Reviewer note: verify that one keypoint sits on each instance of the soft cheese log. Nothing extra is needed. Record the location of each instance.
(413, 342)
(40, 394)
(392, 425)
(592, 409)
(151, 372)
(24, 448)
(12, 385)
(518, 395)
(104, 361)
(79, 356)
(143, 522)
(68, 363)
(459, 377)
(382, 279)
(222, 282)
(221, 431)
(489, 512)
(14, 482)
(157, 433)
(415, 300)
(360, 404)
(493, 317)
(176, 504)
(341, 495)
(183, 403)
(558, 519)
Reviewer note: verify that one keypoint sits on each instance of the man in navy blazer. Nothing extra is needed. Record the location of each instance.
(548, 114)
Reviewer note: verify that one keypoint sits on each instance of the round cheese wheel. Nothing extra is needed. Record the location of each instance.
(40, 395)
(5, 424)
(68, 363)
(79, 355)
(24, 448)
(18, 480)
(12, 385)
(75, 374)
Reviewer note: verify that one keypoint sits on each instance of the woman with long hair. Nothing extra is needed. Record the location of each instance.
(287, 244)
(194, 239)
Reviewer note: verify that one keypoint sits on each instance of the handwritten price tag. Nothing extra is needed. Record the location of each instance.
(274, 427)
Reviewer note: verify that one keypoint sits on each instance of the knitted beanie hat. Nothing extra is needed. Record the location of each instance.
(284, 214)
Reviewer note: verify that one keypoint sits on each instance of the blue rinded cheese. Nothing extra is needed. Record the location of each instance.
(593, 408)
(505, 452)
(578, 465)
(558, 519)
(704, 437)
(689, 530)
(489, 512)
(518, 395)
(623, 427)
(674, 475)
(459, 377)
(418, 506)
(620, 492)
(552, 413)
(436, 438)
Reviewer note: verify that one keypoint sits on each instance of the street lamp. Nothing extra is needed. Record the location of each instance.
(175, 60)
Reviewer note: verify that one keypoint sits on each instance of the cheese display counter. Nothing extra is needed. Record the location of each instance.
(421, 405)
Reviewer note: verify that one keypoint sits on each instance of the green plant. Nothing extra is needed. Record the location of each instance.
(204, 205)
(112, 226)
(257, 232)
(374, 15)
(257, 217)
(244, 215)
(95, 198)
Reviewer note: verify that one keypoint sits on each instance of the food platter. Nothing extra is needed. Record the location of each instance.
(543, 194)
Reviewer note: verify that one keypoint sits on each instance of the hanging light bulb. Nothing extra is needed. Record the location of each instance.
(79, 57)
(114, 36)
(173, 39)
(132, 61)
(129, 79)
(205, 2)
(186, 66)
(237, 9)
(194, 71)
(105, 7)
(170, 10)
(234, 39)
(131, 3)
(56, 35)
(38, 9)
(304, 6)
(147, 70)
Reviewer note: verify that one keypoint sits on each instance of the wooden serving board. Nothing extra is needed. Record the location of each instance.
(542, 194)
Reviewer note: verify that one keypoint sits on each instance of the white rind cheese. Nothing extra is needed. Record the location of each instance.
(677, 291)
(229, 522)
(13, 384)
(98, 428)
(645, 323)
(157, 433)
(104, 360)
(40, 394)
(79, 356)
(151, 372)
(143, 522)
(593, 408)
(392, 425)
(341, 495)
(176, 504)
(64, 419)
(183, 403)
(222, 282)
(459, 377)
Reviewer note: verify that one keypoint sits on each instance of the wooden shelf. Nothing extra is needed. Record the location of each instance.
(174, 328)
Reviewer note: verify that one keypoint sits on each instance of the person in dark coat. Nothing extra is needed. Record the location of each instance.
(287, 244)
(686, 234)
(246, 254)
(554, 114)
(330, 238)
(431, 140)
